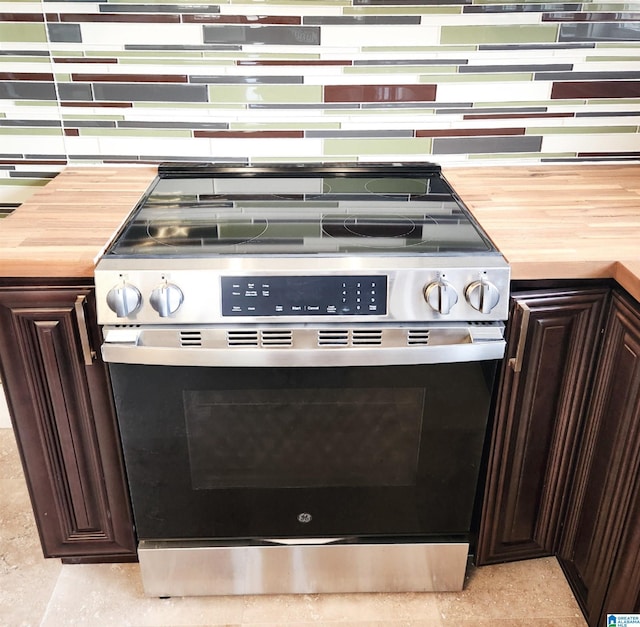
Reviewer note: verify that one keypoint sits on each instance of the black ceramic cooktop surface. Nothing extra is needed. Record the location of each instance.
(206, 210)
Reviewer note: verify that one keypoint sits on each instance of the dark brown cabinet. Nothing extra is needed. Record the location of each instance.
(563, 473)
(553, 337)
(600, 549)
(60, 401)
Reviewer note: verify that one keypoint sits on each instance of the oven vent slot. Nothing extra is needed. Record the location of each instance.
(418, 337)
(276, 338)
(242, 338)
(367, 337)
(190, 338)
(333, 337)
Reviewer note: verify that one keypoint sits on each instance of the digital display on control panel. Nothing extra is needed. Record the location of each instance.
(304, 296)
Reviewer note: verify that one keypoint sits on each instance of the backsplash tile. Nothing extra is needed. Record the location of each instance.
(453, 81)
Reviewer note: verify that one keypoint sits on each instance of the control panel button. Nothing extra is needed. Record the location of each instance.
(124, 299)
(482, 295)
(166, 299)
(441, 296)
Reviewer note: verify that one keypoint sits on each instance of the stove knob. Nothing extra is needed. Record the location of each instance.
(166, 299)
(124, 299)
(482, 295)
(441, 296)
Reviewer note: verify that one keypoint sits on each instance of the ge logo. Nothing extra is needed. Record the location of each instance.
(304, 517)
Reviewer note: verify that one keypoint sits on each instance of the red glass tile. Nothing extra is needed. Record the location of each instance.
(91, 103)
(21, 17)
(595, 89)
(84, 60)
(379, 93)
(25, 76)
(240, 19)
(129, 78)
(151, 18)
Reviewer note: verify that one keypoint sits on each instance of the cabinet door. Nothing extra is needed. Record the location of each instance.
(59, 397)
(600, 544)
(552, 339)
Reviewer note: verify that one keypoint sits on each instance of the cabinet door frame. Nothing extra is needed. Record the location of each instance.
(59, 397)
(553, 338)
(600, 542)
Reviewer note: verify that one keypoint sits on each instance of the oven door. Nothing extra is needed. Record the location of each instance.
(307, 452)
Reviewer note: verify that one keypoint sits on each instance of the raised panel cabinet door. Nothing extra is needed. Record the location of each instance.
(601, 538)
(552, 340)
(58, 393)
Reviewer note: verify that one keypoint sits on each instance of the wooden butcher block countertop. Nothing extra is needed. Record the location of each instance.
(550, 221)
(557, 222)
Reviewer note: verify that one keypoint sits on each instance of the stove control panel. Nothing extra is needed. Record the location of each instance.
(346, 295)
(370, 292)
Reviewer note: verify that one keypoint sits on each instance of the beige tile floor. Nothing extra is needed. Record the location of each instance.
(35, 591)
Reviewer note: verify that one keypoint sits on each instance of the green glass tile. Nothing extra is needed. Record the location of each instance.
(516, 33)
(24, 182)
(612, 59)
(579, 130)
(63, 78)
(617, 101)
(265, 93)
(67, 53)
(22, 32)
(135, 132)
(145, 54)
(36, 131)
(35, 103)
(44, 61)
(335, 147)
(401, 69)
(626, 44)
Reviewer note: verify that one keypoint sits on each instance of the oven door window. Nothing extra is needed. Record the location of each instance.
(219, 453)
(303, 438)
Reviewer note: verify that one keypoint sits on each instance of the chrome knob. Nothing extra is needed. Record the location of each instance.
(441, 296)
(166, 299)
(482, 295)
(124, 299)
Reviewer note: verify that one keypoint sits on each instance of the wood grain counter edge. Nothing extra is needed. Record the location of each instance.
(550, 221)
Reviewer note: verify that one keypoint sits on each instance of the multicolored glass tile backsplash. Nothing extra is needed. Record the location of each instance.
(450, 81)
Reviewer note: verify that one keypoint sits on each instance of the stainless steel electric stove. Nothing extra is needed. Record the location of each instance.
(302, 359)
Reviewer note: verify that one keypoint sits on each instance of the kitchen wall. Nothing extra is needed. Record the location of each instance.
(452, 81)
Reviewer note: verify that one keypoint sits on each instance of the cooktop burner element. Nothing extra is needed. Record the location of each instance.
(202, 229)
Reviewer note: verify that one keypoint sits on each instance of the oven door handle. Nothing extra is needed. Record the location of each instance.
(130, 346)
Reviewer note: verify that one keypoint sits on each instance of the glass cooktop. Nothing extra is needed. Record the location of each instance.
(206, 210)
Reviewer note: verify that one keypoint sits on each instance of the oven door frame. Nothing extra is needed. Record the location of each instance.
(143, 405)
